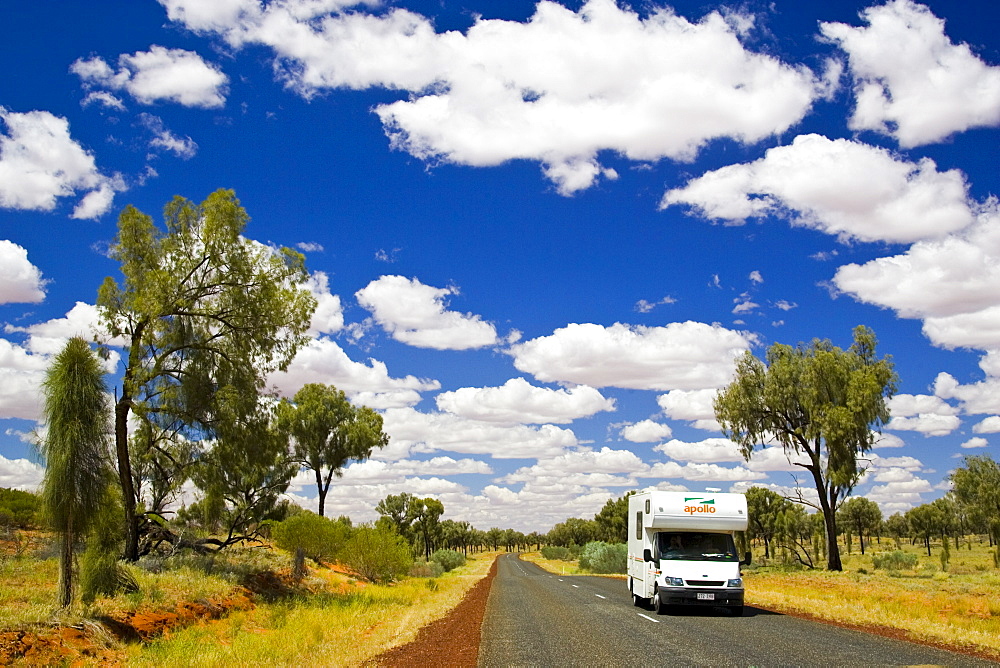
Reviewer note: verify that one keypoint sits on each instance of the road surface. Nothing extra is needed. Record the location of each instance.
(535, 618)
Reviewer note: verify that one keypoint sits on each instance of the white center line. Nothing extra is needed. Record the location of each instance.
(655, 621)
(599, 596)
(577, 586)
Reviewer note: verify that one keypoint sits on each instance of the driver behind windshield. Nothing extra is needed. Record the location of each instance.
(693, 545)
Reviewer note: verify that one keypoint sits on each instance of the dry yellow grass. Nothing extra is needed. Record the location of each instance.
(341, 628)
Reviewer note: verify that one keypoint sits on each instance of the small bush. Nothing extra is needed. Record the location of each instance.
(553, 552)
(600, 557)
(426, 569)
(319, 537)
(377, 554)
(448, 559)
(897, 560)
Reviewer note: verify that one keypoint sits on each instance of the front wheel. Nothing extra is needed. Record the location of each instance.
(638, 601)
(658, 605)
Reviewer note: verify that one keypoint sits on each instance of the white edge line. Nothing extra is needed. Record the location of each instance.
(655, 621)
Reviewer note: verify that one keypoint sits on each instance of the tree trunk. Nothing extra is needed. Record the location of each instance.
(320, 492)
(125, 477)
(66, 566)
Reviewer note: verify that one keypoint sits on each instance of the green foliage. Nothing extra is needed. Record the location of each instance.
(76, 450)
(319, 537)
(327, 432)
(601, 557)
(247, 467)
(19, 509)
(574, 531)
(377, 554)
(612, 520)
(897, 560)
(819, 402)
(418, 520)
(448, 559)
(101, 572)
(200, 307)
(860, 516)
(556, 552)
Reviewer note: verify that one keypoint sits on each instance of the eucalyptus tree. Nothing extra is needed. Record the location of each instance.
(764, 506)
(196, 298)
(819, 403)
(977, 489)
(76, 448)
(860, 515)
(327, 431)
(612, 520)
(395, 511)
(425, 522)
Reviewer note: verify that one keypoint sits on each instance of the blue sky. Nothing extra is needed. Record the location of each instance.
(539, 232)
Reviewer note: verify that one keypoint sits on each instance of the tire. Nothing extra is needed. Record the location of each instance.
(736, 610)
(637, 601)
(658, 605)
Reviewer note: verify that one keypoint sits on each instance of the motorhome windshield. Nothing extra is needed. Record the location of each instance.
(696, 546)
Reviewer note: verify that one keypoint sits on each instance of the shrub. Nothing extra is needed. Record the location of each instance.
(448, 559)
(426, 569)
(600, 557)
(553, 552)
(896, 560)
(18, 509)
(318, 537)
(377, 554)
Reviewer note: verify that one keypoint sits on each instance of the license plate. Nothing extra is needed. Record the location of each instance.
(706, 597)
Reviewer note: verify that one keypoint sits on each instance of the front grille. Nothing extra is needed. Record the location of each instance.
(705, 583)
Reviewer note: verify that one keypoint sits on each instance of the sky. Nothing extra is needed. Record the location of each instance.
(539, 233)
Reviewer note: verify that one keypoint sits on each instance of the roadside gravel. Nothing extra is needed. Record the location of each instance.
(450, 642)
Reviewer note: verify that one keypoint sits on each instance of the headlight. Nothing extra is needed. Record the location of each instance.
(674, 582)
(735, 582)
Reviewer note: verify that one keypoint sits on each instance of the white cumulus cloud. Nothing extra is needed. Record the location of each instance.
(681, 355)
(838, 186)
(160, 74)
(519, 402)
(417, 314)
(557, 89)
(646, 431)
(40, 163)
(911, 80)
(20, 281)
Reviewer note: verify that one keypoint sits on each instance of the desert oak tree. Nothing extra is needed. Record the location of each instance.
(327, 431)
(821, 404)
(197, 299)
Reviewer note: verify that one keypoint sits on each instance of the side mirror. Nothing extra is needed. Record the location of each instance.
(747, 559)
(647, 555)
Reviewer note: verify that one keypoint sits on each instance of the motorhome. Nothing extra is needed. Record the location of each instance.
(681, 549)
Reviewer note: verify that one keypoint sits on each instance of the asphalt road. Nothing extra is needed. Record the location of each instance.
(535, 618)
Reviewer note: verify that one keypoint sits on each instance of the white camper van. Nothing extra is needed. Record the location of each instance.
(681, 549)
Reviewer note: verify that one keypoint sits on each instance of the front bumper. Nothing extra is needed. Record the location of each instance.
(692, 596)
